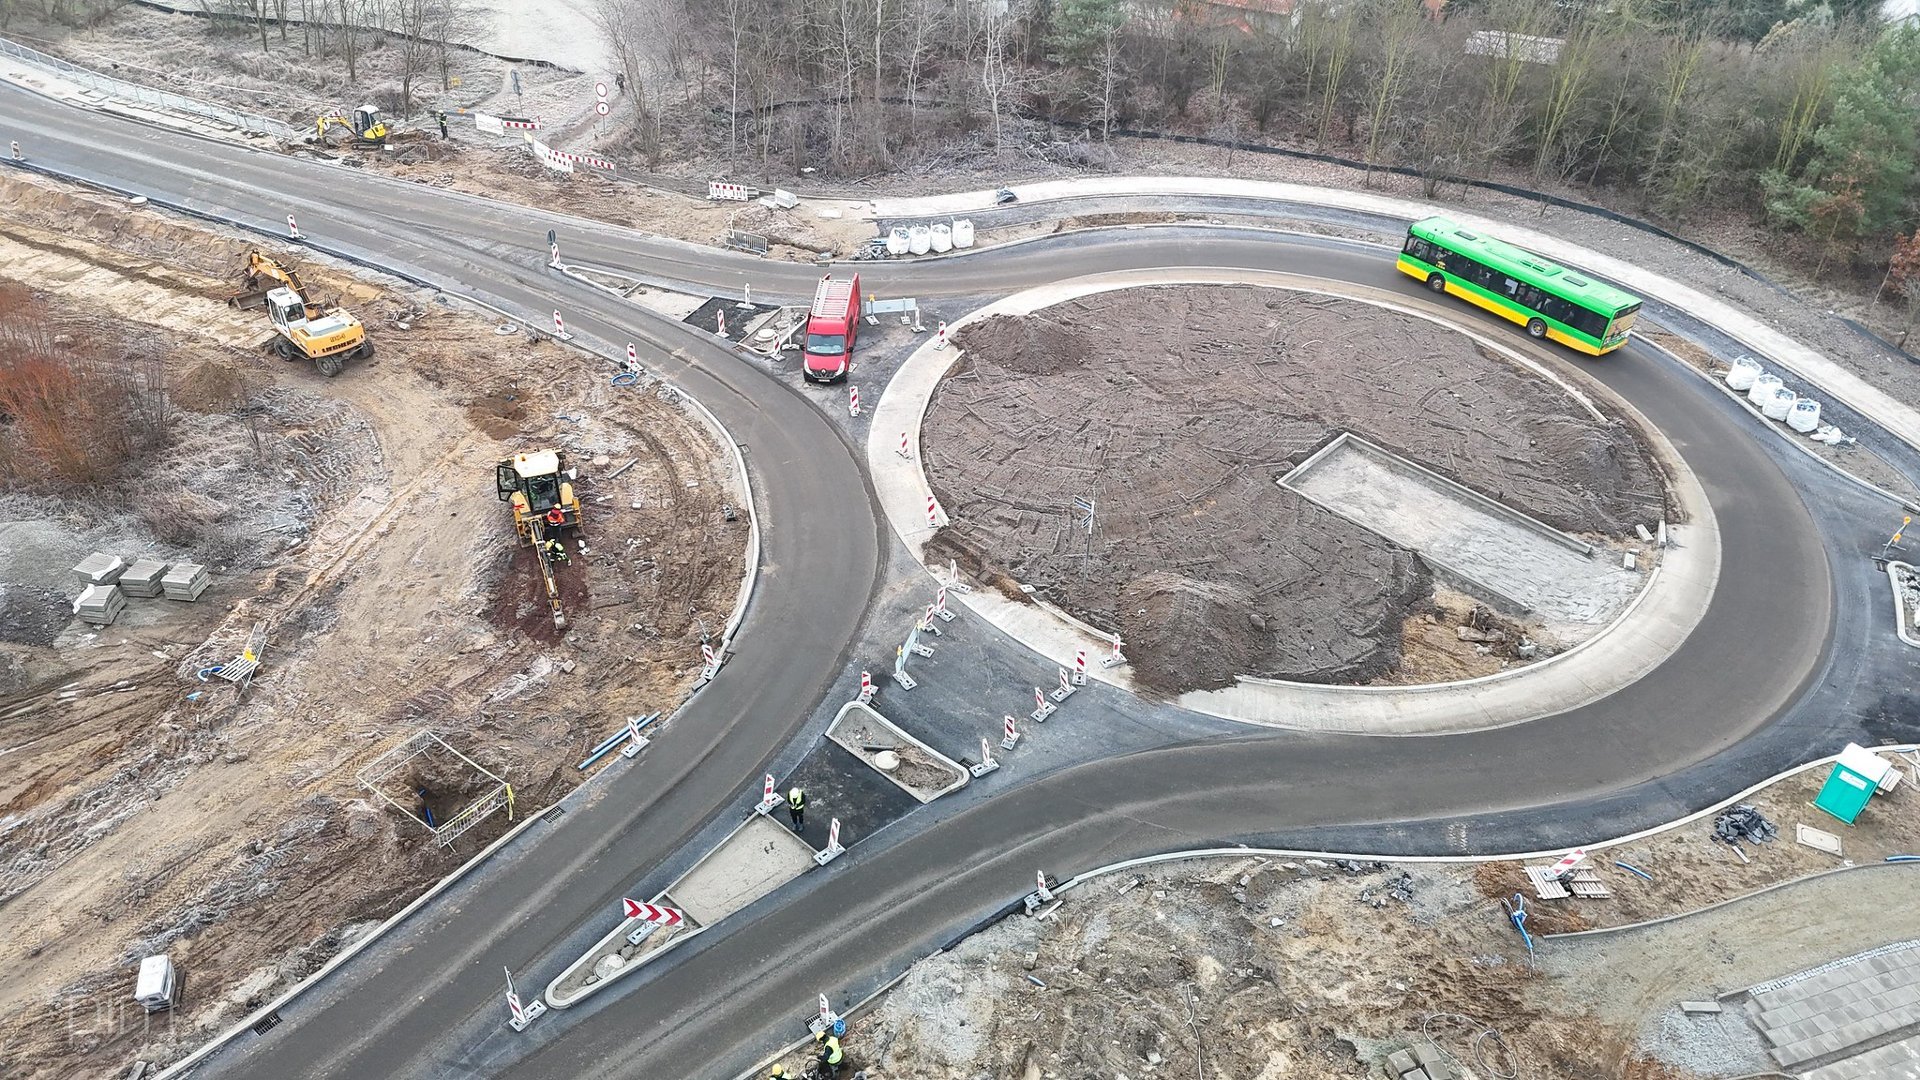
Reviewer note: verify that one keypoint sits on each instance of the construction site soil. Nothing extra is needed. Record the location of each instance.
(1174, 410)
(1266, 967)
(354, 521)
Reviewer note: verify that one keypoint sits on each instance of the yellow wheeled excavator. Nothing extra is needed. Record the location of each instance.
(327, 336)
(539, 487)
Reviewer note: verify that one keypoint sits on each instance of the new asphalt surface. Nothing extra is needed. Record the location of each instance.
(1735, 700)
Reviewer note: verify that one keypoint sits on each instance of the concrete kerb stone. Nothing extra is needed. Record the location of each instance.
(618, 933)
(1902, 623)
(1762, 891)
(867, 707)
(1667, 608)
(1900, 420)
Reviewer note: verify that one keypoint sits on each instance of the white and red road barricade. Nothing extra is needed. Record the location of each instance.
(833, 849)
(904, 451)
(768, 798)
(636, 741)
(521, 1014)
(933, 510)
(866, 688)
(293, 228)
(551, 158)
(1567, 863)
(940, 609)
(633, 358)
(709, 662)
(1114, 659)
(1042, 708)
(1065, 689)
(940, 341)
(1079, 667)
(853, 401)
(720, 323)
(1041, 901)
(519, 124)
(986, 764)
(653, 913)
(1012, 737)
(719, 189)
(559, 326)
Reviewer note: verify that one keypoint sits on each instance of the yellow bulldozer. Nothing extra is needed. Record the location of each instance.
(539, 487)
(305, 330)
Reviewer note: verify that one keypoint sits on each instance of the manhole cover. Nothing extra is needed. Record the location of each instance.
(506, 328)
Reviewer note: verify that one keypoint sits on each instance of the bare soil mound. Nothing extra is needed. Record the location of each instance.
(1174, 410)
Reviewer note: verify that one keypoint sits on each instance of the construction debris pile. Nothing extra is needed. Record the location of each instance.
(1118, 454)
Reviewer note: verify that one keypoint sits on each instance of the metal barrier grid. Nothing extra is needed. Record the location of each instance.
(146, 95)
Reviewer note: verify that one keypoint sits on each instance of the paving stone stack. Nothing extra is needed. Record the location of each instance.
(142, 579)
(1420, 1062)
(186, 581)
(99, 569)
(99, 605)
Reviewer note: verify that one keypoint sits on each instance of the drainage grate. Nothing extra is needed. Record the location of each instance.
(267, 1023)
(553, 815)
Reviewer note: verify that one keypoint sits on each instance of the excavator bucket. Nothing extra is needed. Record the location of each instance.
(248, 300)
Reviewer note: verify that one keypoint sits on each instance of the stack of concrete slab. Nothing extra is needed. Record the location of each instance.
(99, 569)
(186, 581)
(143, 578)
(99, 605)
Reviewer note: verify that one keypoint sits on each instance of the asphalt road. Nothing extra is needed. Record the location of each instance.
(736, 991)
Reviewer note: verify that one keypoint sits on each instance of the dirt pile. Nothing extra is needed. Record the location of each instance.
(1174, 410)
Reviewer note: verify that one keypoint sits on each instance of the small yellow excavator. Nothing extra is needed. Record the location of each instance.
(327, 336)
(539, 487)
(365, 125)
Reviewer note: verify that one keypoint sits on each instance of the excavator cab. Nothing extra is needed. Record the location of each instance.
(368, 125)
(543, 498)
(286, 310)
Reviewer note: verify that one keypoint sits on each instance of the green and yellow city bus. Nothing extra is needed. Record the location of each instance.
(1550, 301)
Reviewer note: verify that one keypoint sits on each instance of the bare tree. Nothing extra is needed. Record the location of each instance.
(996, 76)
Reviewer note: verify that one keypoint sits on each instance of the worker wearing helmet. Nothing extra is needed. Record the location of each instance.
(556, 516)
(830, 1053)
(797, 809)
(555, 551)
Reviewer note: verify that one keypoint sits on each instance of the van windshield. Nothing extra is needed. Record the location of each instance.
(827, 344)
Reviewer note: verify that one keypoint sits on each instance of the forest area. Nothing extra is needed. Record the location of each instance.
(1800, 114)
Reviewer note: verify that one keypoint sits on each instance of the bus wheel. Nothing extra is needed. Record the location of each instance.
(1436, 283)
(1536, 328)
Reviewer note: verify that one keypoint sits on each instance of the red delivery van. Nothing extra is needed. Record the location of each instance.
(831, 326)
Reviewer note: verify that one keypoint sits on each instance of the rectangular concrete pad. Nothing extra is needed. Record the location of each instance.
(1496, 552)
(748, 865)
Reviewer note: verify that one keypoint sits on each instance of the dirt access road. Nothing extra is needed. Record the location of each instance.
(229, 830)
(1175, 410)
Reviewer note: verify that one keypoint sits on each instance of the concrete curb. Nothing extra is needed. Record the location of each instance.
(625, 927)
(965, 776)
(1901, 624)
(1607, 661)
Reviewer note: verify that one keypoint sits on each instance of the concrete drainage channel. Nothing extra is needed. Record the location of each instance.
(761, 854)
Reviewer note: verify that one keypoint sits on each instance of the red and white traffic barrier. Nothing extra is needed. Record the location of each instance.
(1066, 686)
(559, 325)
(736, 192)
(653, 913)
(986, 756)
(904, 452)
(293, 228)
(519, 125)
(833, 849)
(940, 341)
(633, 358)
(15, 147)
(768, 799)
(1080, 667)
(1012, 737)
(940, 601)
(1114, 659)
(720, 323)
(853, 401)
(866, 688)
(513, 1006)
(584, 159)
(521, 1014)
(1042, 708)
(1045, 894)
(933, 510)
(709, 663)
(553, 254)
(1567, 863)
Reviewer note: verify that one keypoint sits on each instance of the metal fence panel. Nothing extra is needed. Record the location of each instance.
(146, 95)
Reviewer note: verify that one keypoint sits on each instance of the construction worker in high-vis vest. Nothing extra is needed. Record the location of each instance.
(830, 1053)
(797, 809)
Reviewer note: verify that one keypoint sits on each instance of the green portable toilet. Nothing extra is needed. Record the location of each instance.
(1854, 779)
